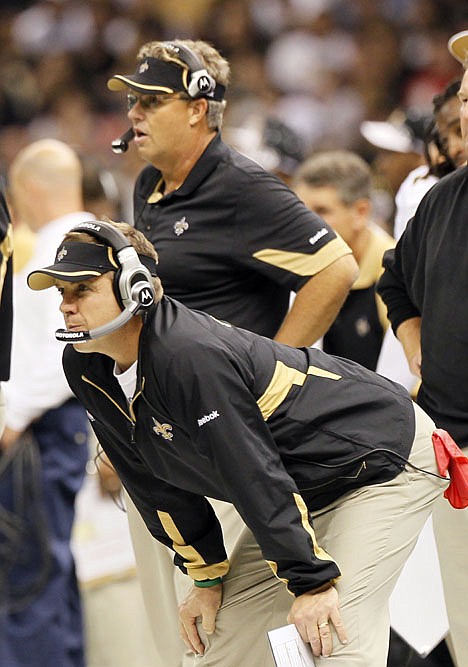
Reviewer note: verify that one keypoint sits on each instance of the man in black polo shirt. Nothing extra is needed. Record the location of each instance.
(232, 239)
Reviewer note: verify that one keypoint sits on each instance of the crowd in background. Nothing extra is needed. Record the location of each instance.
(319, 66)
(305, 75)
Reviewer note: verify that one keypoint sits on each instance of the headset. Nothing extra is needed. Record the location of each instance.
(132, 283)
(199, 84)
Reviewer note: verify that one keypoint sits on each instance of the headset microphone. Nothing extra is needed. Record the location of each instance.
(142, 298)
(66, 336)
(120, 145)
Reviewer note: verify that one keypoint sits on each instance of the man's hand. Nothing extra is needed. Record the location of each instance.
(313, 614)
(409, 334)
(9, 438)
(109, 482)
(203, 602)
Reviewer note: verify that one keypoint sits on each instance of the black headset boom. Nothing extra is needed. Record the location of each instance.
(200, 83)
(133, 285)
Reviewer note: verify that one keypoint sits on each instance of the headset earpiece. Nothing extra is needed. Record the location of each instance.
(132, 283)
(200, 83)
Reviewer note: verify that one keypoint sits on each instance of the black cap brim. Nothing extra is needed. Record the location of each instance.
(74, 261)
(152, 76)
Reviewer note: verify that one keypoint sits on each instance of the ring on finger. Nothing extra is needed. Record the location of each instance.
(322, 625)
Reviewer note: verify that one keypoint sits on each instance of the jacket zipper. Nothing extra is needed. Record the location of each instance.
(96, 386)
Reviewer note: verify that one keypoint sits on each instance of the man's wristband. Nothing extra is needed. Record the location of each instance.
(208, 583)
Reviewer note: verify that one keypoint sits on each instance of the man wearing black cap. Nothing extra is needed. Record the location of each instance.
(424, 286)
(232, 239)
(186, 406)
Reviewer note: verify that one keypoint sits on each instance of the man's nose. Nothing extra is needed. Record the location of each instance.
(68, 303)
(135, 112)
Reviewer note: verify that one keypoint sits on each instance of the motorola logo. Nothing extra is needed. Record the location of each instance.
(204, 84)
(145, 297)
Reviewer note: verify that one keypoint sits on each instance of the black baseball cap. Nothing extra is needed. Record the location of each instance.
(77, 261)
(153, 76)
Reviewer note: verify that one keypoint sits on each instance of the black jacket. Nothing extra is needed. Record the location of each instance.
(225, 413)
(427, 276)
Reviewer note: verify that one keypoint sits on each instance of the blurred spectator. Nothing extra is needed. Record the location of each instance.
(319, 66)
(446, 109)
(54, 26)
(309, 64)
(337, 186)
(268, 141)
(445, 152)
(400, 144)
(45, 439)
(101, 193)
(378, 66)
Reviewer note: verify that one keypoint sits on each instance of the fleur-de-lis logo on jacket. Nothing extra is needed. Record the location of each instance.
(164, 430)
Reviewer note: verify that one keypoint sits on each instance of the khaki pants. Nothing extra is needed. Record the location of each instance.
(116, 625)
(451, 535)
(370, 533)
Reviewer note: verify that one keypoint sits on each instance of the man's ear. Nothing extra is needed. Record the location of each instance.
(361, 213)
(198, 109)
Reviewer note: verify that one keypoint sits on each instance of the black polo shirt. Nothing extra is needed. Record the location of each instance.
(357, 332)
(6, 273)
(233, 240)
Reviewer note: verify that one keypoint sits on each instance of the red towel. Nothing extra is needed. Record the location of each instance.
(451, 459)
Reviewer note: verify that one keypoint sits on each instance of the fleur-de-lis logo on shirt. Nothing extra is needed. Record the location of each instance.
(164, 430)
(181, 226)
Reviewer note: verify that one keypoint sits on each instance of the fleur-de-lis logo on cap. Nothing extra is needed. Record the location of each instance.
(143, 67)
(63, 253)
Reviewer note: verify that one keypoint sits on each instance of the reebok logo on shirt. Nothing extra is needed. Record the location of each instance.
(316, 237)
(207, 418)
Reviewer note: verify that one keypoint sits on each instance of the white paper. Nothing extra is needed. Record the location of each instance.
(289, 650)
(417, 604)
(101, 541)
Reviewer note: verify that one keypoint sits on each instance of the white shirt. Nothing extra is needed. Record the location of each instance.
(37, 381)
(127, 379)
(409, 194)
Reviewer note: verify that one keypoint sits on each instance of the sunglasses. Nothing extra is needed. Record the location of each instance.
(148, 102)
